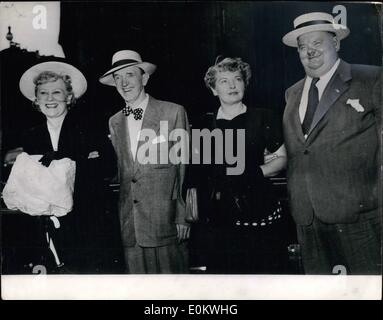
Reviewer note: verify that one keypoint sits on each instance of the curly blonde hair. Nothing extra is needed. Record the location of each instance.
(50, 76)
(227, 64)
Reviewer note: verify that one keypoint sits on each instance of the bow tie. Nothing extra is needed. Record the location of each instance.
(137, 113)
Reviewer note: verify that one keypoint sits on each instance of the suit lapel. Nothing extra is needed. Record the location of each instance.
(337, 85)
(122, 126)
(294, 116)
(151, 121)
(66, 143)
(46, 141)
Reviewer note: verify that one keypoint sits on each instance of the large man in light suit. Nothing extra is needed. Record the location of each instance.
(151, 208)
(333, 137)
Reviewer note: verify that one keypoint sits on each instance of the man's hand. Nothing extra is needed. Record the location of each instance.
(183, 232)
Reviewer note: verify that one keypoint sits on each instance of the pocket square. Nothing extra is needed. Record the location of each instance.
(158, 139)
(355, 104)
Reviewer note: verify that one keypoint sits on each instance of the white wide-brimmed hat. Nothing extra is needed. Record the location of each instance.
(27, 86)
(314, 21)
(123, 59)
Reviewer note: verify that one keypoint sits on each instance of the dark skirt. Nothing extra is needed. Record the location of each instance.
(244, 239)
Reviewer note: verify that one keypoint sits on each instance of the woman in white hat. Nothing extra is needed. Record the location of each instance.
(53, 88)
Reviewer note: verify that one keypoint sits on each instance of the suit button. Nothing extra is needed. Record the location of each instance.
(306, 152)
(134, 180)
(135, 201)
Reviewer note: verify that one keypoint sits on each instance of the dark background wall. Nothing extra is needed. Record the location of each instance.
(183, 40)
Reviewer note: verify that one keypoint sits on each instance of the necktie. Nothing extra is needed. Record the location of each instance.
(312, 103)
(137, 113)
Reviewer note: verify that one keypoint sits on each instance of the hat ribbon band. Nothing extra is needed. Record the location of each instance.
(311, 23)
(124, 61)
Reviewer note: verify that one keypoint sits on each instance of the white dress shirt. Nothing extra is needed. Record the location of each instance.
(134, 126)
(54, 132)
(222, 115)
(321, 85)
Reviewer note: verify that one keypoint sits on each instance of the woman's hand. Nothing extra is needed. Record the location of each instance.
(48, 157)
(270, 157)
(11, 156)
(274, 162)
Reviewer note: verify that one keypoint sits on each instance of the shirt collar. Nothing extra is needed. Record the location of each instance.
(143, 104)
(327, 76)
(222, 115)
(57, 124)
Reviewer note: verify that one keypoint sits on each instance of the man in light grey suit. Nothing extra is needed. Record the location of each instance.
(332, 128)
(151, 208)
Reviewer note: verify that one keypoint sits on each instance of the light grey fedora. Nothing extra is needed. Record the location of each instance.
(123, 59)
(314, 21)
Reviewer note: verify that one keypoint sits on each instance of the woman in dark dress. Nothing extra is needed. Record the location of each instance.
(53, 88)
(243, 212)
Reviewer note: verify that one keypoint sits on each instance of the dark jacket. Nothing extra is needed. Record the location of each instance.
(253, 192)
(80, 227)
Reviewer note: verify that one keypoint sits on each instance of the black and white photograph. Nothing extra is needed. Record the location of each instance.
(191, 150)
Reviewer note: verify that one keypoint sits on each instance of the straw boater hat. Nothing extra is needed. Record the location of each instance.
(27, 86)
(123, 59)
(314, 21)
